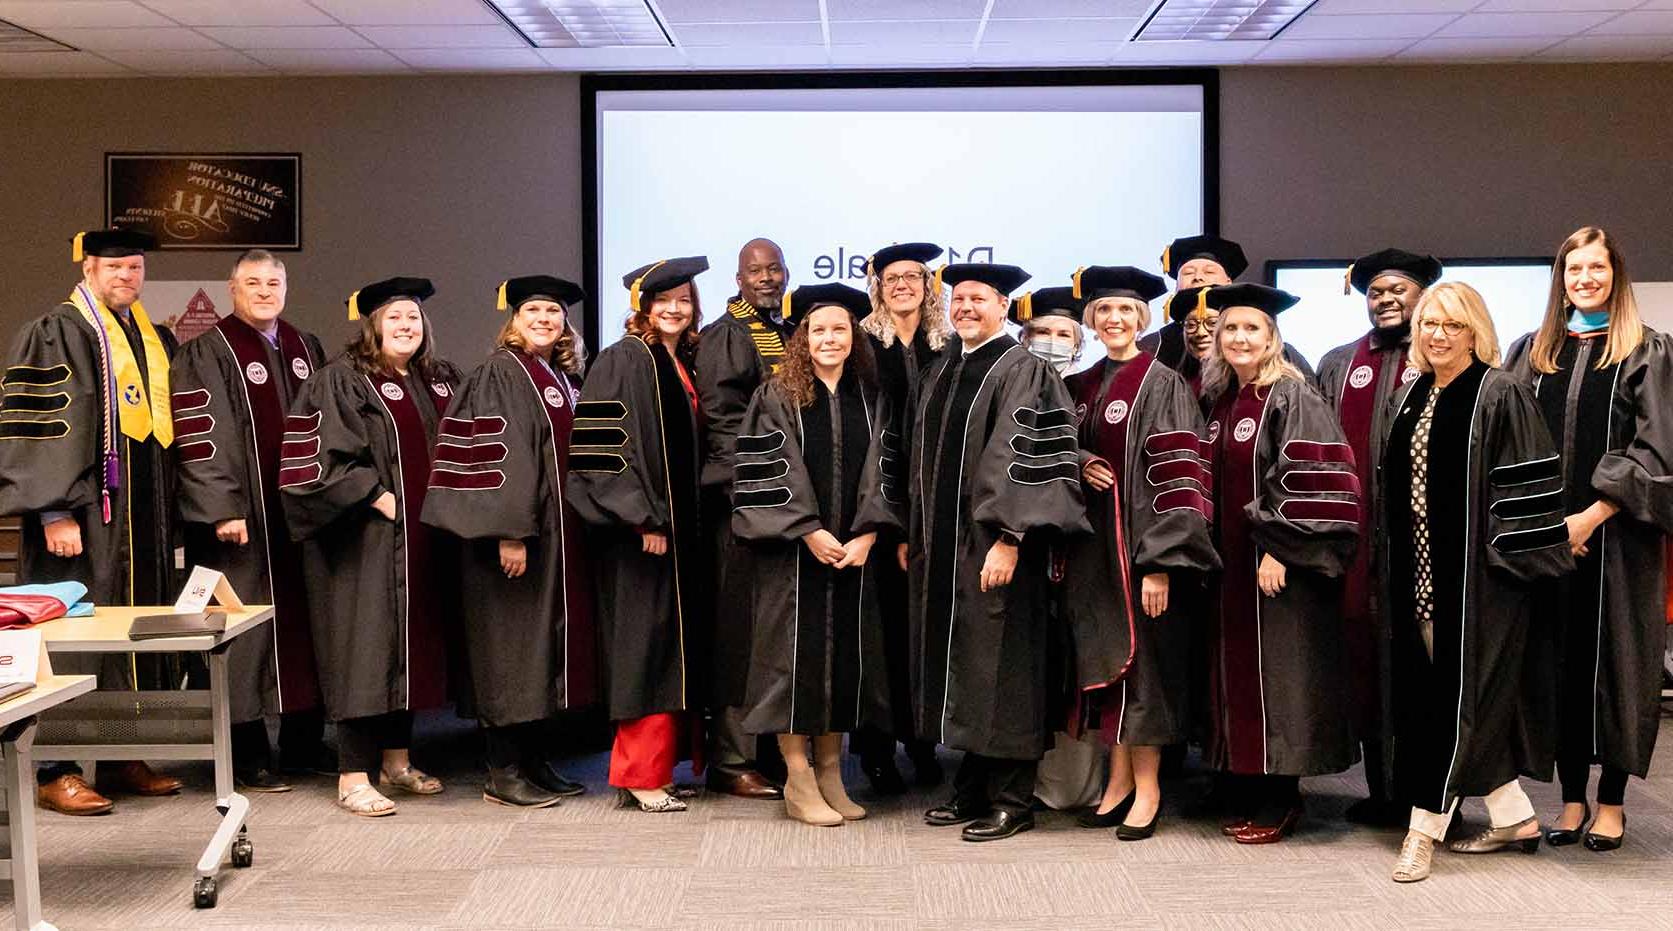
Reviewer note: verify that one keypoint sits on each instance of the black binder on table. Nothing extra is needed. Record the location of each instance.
(189, 624)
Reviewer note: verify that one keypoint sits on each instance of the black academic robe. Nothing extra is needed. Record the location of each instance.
(633, 460)
(379, 591)
(1284, 484)
(498, 474)
(231, 391)
(1477, 713)
(737, 353)
(1168, 346)
(1359, 380)
(52, 440)
(898, 376)
(1140, 418)
(994, 453)
(1614, 429)
(816, 664)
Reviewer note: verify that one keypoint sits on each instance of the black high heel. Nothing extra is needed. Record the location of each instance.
(1111, 818)
(1564, 837)
(1603, 843)
(1125, 831)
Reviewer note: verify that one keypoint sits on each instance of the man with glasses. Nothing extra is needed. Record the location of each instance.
(1358, 380)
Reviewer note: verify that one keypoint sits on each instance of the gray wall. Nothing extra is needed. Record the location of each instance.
(467, 179)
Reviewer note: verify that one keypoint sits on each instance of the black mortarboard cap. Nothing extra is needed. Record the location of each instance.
(514, 291)
(1259, 296)
(1423, 269)
(111, 244)
(922, 252)
(1001, 278)
(1046, 302)
(379, 293)
(1095, 281)
(1229, 254)
(661, 276)
(1186, 300)
(811, 296)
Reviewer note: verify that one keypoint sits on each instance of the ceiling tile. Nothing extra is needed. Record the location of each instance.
(1031, 53)
(739, 11)
(1053, 9)
(472, 59)
(1465, 50)
(57, 65)
(616, 59)
(1643, 22)
(1367, 26)
(409, 12)
(746, 35)
(1051, 31)
(905, 9)
(1610, 48)
(235, 13)
(222, 62)
(286, 37)
(145, 37)
(903, 56)
(329, 61)
(902, 36)
(94, 14)
(1509, 25)
(1554, 6)
(407, 37)
(1185, 52)
(766, 56)
(1331, 50)
(1336, 7)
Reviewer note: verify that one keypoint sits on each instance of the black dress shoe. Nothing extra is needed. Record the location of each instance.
(1603, 843)
(508, 786)
(1567, 837)
(261, 779)
(547, 777)
(1108, 819)
(953, 813)
(1125, 831)
(998, 826)
(884, 777)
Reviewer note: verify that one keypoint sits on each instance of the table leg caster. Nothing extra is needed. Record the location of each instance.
(243, 853)
(204, 892)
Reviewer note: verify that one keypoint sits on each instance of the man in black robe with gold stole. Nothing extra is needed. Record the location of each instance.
(1358, 380)
(738, 351)
(995, 478)
(85, 460)
(233, 385)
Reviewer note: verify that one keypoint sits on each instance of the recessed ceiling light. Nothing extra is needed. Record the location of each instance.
(584, 23)
(1218, 20)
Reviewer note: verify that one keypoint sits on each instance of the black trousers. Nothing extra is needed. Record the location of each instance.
(991, 782)
(361, 741)
(521, 744)
(299, 733)
(1574, 771)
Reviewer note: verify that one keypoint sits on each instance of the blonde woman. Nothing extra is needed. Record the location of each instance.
(1604, 382)
(1287, 517)
(1470, 486)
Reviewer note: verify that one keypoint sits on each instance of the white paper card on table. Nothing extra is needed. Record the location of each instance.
(21, 656)
(204, 584)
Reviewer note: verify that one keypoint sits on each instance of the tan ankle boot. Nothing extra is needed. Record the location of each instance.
(802, 800)
(827, 765)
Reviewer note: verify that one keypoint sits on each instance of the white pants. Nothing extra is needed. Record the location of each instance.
(1506, 805)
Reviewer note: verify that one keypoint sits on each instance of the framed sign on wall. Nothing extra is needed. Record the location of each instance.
(225, 201)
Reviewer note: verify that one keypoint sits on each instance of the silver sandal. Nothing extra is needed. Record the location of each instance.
(361, 799)
(410, 779)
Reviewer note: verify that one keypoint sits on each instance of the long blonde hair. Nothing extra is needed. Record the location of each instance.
(932, 313)
(1464, 304)
(1626, 326)
(567, 355)
(1217, 374)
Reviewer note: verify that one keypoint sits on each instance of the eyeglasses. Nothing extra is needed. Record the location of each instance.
(1193, 325)
(1452, 328)
(890, 281)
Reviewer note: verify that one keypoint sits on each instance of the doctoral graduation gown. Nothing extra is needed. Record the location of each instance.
(1284, 484)
(52, 438)
(1140, 418)
(737, 353)
(498, 475)
(1479, 711)
(1168, 346)
(379, 591)
(994, 452)
(1359, 380)
(816, 665)
(231, 391)
(1614, 429)
(633, 460)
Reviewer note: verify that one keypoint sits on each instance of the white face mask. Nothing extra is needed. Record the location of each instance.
(1059, 352)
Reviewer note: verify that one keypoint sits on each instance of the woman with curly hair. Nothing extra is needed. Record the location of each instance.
(634, 456)
(498, 485)
(353, 472)
(813, 487)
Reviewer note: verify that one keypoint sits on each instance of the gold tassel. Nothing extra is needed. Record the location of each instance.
(871, 261)
(354, 306)
(1201, 310)
(784, 308)
(1166, 270)
(499, 301)
(633, 289)
(1076, 291)
(75, 248)
(1025, 307)
(1348, 279)
(939, 284)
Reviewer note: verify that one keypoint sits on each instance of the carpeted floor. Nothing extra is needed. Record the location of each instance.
(454, 861)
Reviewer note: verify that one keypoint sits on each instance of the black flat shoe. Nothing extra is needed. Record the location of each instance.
(1565, 837)
(952, 813)
(1603, 843)
(998, 826)
(1109, 819)
(261, 779)
(508, 786)
(884, 777)
(1125, 831)
(547, 777)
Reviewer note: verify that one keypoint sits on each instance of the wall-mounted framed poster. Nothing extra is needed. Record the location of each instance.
(225, 201)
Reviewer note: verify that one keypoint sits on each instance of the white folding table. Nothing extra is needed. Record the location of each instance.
(17, 733)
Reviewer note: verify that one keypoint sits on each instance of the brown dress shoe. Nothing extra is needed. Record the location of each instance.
(746, 784)
(70, 794)
(136, 778)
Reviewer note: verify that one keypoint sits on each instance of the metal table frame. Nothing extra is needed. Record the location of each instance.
(17, 732)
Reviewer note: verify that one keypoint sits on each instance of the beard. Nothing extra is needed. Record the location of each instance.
(767, 301)
(1399, 330)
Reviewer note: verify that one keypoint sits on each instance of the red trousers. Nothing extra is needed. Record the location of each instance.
(647, 748)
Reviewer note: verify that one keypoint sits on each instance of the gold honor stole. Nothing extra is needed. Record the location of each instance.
(767, 341)
(139, 419)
